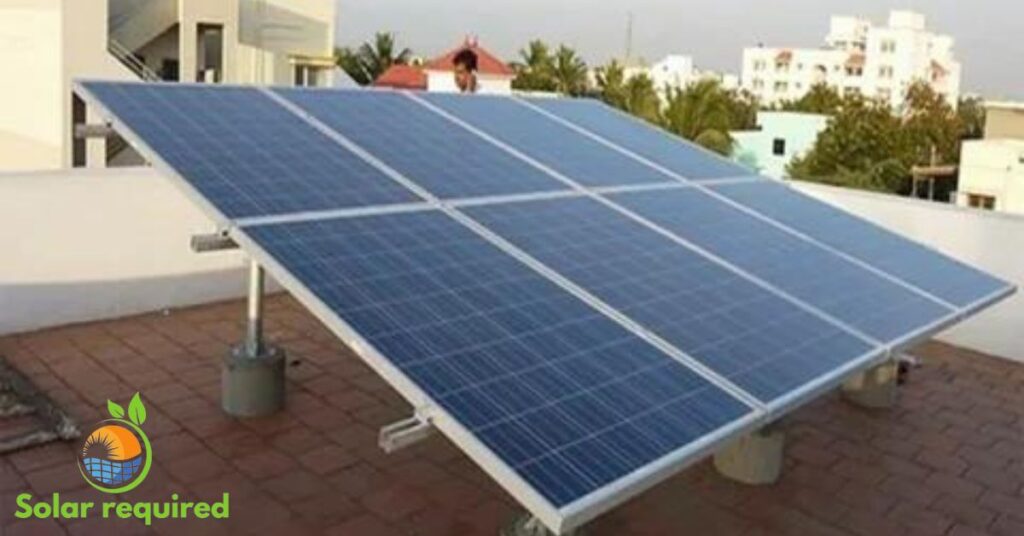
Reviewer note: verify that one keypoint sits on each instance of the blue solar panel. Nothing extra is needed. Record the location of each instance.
(870, 303)
(931, 271)
(245, 153)
(437, 154)
(764, 344)
(556, 146)
(648, 141)
(565, 396)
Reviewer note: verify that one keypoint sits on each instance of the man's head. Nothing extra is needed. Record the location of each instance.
(465, 70)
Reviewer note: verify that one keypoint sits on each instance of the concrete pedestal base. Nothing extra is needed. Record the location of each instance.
(875, 388)
(755, 459)
(527, 525)
(253, 386)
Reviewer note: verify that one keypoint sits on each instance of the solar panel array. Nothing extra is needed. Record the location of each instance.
(580, 301)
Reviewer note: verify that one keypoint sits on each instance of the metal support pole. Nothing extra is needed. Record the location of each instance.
(254, 327)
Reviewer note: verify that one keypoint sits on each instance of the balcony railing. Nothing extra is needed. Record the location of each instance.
(131, 61)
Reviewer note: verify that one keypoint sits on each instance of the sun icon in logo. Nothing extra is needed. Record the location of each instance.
(116, 456)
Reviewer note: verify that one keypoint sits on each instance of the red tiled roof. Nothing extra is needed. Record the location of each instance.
(784, 57)
(402, 77)
(487, 63)
(946, 461)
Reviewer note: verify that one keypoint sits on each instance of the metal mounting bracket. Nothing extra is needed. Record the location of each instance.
(101, 130)
(405, 433)
(206, 243)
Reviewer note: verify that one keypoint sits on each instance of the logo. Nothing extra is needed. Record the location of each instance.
(116, 455)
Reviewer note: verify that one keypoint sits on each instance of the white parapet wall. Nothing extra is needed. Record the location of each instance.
(991, 241)
(84, 245)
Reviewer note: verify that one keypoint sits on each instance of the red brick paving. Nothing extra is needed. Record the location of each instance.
(949, 460)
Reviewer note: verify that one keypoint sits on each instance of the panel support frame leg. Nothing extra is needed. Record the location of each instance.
(527, 525)
(252, 376)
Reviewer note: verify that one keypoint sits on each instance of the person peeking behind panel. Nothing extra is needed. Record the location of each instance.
(465, 70)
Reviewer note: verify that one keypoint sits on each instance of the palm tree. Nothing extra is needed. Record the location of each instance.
(372, 58)
(570, 72)
(611, 84)
(641, 99)
(703, 113)
(380, 55)
(535, 68)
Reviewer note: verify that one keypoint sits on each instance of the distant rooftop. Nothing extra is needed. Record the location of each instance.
(949, 460)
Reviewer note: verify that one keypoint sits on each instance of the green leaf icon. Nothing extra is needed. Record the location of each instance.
(116, 411)
(137, 411)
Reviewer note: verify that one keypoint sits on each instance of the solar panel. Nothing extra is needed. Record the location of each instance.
(569, 399)
(546, 141)
(652, 143)
(937, 274)
(449, 161)
(875, 306)
(764, 344)
(243, 152)
(579, 343)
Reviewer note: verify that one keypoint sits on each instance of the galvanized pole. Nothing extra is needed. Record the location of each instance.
(254, 328)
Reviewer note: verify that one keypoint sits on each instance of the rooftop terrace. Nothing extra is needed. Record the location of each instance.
(949, 459)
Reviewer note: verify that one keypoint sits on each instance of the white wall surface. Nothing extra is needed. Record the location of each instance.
(91, 244)
(990, 241)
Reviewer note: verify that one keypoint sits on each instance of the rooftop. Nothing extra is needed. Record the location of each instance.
(949, 460)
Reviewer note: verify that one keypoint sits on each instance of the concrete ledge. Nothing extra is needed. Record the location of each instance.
(755, 459)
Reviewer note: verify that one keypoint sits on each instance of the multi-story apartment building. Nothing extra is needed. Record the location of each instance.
(674, 71)
(858, 57)
(51, 42)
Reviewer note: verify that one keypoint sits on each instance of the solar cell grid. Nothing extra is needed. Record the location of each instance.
(440, 156)
(553, 145)
(245, 153)
(942, 276)
(865, 301)
(544, 380)
(766, 345)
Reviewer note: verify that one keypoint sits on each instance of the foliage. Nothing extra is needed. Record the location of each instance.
(635, 95)
(540, 69)
(820, 99)
(704, 112)
(866, 145)
(971, 111)
(371, 59)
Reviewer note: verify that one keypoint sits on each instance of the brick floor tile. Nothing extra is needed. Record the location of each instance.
(394, 502)
(364, 525)
(953, 485)
(264, 464)
(327, 459)
(294, 485)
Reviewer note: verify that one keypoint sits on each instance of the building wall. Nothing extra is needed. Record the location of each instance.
(444, 81)
(1004, 122)
(109, 243)
(989, 241)
(993, 168)
(273, 32)
(798, 131)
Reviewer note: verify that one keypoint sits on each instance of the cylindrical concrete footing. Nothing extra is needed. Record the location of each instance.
(253, 386)
(754, 459)
(527, 525)
(875, 388)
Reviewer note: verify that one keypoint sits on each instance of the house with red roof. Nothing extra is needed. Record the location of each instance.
(438, 74)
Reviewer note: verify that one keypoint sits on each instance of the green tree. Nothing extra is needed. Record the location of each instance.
(534, 70)
(930, 122)
(704, 113)
(971, 111)
(820, 99)
(861, 147)
(569, 72)
(372, 58)
(611, 84)
(641, 99)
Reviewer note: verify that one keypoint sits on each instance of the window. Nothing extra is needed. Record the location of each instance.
(307, 75)
(885, 93)
(781, 87)
(759, 65)
(985, 202)
(779, 147)
(888, 46)
(885, 71)
(850, 90)
(758, 83)
(854, 71)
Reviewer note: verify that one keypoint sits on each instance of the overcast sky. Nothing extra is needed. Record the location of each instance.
(989, 33)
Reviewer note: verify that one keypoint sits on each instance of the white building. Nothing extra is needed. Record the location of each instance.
(992, 169)
(858, 57)
(50, 42)
(674, 71)
(780, 138)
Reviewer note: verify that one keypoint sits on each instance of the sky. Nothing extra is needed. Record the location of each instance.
(987, 32)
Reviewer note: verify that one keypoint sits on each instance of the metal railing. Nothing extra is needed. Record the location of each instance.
(131, 61)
